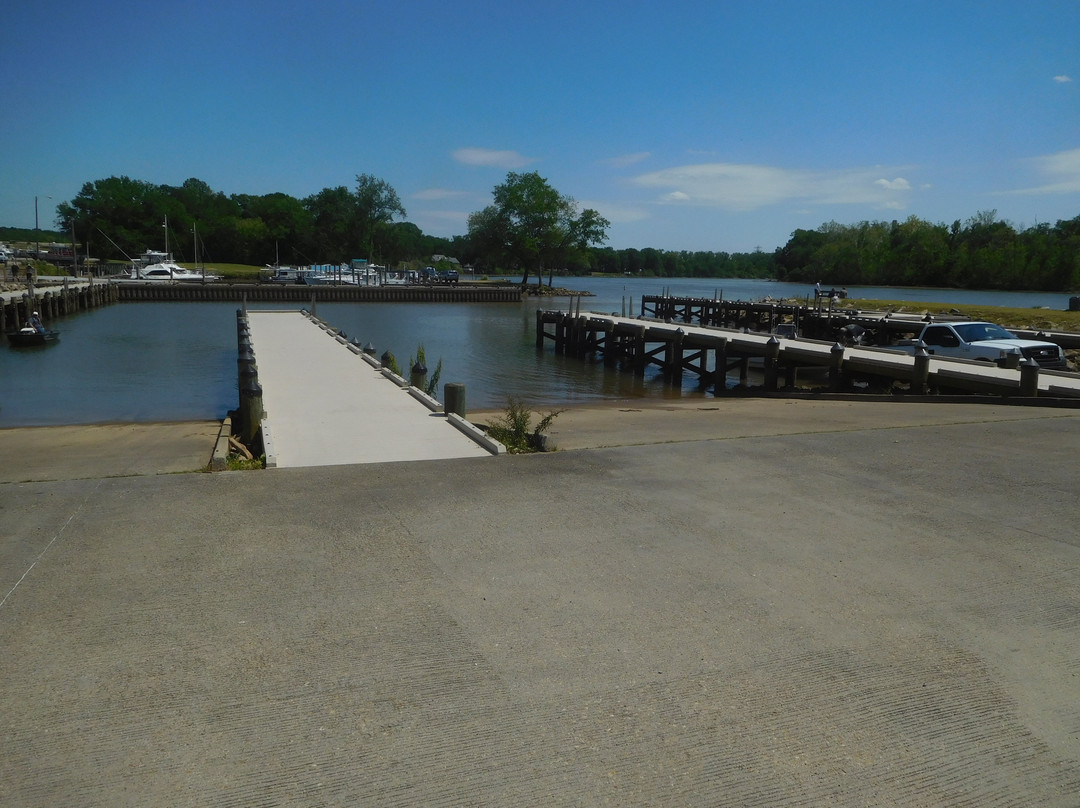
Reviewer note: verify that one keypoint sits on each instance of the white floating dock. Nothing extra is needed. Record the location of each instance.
(327, 405)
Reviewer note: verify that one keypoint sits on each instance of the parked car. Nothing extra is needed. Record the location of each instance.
(987, 342)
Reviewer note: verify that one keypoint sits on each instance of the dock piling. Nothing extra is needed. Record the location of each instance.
(836, 364)
(418, 376)
(772, 354)
(1029, 378)
(454, 398)
(921, 373)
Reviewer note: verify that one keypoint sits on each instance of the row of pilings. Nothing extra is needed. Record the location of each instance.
(249, 414)
(132, 291)
(626, 345)
(818, 320)
(713, 355)
(823, 319)
(55, 302)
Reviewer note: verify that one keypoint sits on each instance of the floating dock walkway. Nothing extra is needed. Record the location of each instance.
(327, 403)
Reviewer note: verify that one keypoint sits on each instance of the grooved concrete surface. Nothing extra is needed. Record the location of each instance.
(326, 406)
(874, 617)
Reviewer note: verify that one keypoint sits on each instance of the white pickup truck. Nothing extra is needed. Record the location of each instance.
(983, 341)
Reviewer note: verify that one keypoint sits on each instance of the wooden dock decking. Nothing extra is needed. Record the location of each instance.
(712, 352)
(326, 403)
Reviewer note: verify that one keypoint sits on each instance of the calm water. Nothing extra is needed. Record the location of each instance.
(143, 362)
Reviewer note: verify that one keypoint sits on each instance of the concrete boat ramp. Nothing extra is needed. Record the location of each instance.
(326, 403)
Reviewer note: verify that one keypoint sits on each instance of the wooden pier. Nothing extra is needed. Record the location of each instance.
(713, 353)
(819, 320)
(71, 296)
(53, 301)
(131, 291)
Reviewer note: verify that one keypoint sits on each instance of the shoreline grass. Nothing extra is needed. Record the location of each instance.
(1010, 317)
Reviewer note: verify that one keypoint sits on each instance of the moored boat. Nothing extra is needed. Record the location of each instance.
(159, 266)
(28, 336)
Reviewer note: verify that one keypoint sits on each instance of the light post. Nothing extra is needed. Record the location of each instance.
(37, 243)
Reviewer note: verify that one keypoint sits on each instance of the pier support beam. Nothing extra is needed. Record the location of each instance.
(673, 357)
(251, 411)
(1029, 378)
(772, 354)
(921, 374)
(611, 354)
(836, 364)
(454, 398)
(640, 357)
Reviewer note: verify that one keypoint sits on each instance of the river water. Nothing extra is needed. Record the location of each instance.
(146, 362)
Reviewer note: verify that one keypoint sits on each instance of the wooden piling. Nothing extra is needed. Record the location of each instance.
(836, 364)
(772, 353)
(921, 372)
(1029, 378)
(454, 398)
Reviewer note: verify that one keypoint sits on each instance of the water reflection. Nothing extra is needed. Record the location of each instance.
(143, 362)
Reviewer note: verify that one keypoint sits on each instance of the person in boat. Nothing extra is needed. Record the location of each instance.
(35, 323)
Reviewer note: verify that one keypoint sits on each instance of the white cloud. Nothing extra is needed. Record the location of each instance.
(492, 157)
(617, 212)
(624, 160)
(438, 193)
(1062, 79)
(899, 184)
(745, 187)
(1061, 172)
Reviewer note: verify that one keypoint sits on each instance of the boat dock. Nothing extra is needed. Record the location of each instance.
(53, 299)
(818, 320)
(713, 352)
(325, 402)
(142, 291)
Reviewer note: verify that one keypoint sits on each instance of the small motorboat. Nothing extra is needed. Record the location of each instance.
(29, 336)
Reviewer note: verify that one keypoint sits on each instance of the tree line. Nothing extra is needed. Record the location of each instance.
(120, 217)
(533, 229)
(980, 253)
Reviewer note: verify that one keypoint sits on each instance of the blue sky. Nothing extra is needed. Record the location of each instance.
(689, 125)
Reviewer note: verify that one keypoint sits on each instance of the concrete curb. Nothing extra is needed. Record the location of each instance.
(429, 402)
(219, 459)
(477, 434)
(268, 445)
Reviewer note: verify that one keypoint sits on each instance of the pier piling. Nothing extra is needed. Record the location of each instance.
(454, 398)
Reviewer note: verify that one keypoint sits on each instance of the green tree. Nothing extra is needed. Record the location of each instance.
(489, 233)
(287, 223)
(533, 225)
(332, 215)
(402, 240)
(117, 216)
(376, 204)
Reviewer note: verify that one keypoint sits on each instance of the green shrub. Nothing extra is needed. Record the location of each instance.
(433, 379)
(389, 362)
(512, 429)
(237, 462)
